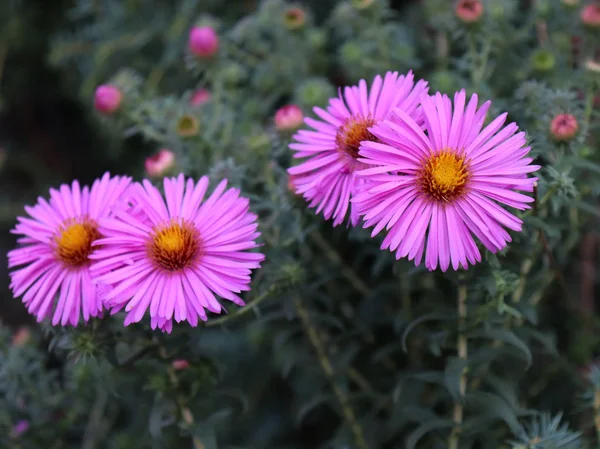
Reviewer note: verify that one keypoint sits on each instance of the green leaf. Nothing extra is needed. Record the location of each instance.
(309, 405)
(452, 374)
(509, 337)
(205, 435)
(548, 341)
(585, 207)
(551, 231)
(584, 164)
(495, 406)
(415, 436)
(435, 316)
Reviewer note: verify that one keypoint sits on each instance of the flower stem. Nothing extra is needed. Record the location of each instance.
(346, 270)
(458, 411)
(245, 309)
(597, 412)
(186, 413)
(347, 410)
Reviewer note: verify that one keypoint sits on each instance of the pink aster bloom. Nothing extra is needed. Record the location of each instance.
(172, 257)
(327, 178)
(434, 190)
(56, 247)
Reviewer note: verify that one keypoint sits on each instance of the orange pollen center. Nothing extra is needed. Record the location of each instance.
(74, 241)
(444, 176)
(175, 246)
(354, 131)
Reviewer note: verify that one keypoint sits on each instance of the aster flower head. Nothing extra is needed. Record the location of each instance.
(55, 249)
(171, 255)
(327, 177)
(434, 189)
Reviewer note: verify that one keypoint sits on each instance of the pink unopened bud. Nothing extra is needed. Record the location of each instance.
(288, 117)
(180, 364)
(21, 337)
(200, 97)
(469, 11)
(107, 99)
(203, 41)
(294, 18)
(292, 185)
(564, 127)
(158, 164)
(590, 15)
(20, 428)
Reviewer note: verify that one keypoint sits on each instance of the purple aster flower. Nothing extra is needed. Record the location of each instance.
(172, 258)
(434, 190)
(55, 249)
(327, 178)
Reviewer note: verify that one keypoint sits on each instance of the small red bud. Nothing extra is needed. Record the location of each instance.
(590, 15)
(288, 118)
(107, 99)
(469, 11)
(200, 97)
(294, 18)
(564, 127)
(203, 41)
(180, 364)
(158, 164)
(21, 337)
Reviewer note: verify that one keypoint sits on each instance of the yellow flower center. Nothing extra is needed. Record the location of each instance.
(74, 241)
(443, 176)
(354, 131)
(176, 246)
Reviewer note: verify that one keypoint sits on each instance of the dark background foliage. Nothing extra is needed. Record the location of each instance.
(341, 345)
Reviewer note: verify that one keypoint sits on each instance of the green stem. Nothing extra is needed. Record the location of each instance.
(347, 410)
(184, 410)
(458, 410)
(346, 271)
(589, 107)
(245, 309)
(596, 406)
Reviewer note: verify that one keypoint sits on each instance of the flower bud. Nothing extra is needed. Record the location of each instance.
(107, 98)
(590, 15)
(543, 60)
(21, 337)
(316, 38)
(351, 53)
(362, 4)
(180, 364)
(288, 118)
(200, 97)
(291, 185)
(187, 126)
(592, 66)
(20, 428)
(160, 163)
(563, 127)
(203, 41)
(469, 11)
(294, 18)
(314, 92)
(187, 416)
(569, 3)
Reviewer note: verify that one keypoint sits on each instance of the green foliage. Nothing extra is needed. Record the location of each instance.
(339, 345)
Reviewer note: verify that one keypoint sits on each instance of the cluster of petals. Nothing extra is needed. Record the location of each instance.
(326, 177)
(426, 170)
(122, 245)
